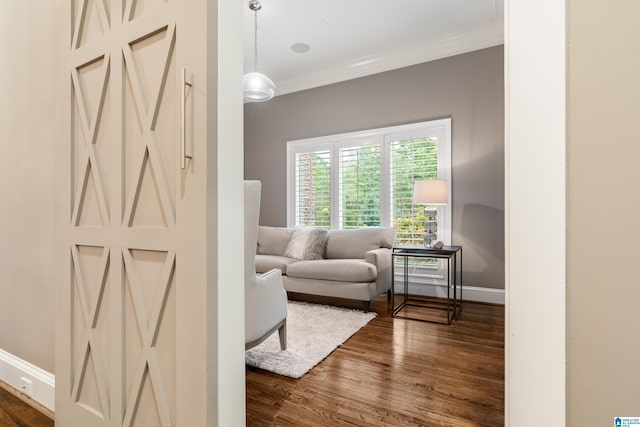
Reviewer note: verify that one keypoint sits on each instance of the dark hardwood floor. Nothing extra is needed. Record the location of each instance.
(395, 372)
(15, 413)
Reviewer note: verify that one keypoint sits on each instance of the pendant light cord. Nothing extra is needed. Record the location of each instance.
(255, 40)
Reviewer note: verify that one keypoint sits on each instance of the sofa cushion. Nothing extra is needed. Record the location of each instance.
(273, 240)
(355, 243)
(307, 243)
(265, 263)
(344, 270)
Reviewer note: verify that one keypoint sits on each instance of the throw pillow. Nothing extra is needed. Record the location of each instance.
(307, 243)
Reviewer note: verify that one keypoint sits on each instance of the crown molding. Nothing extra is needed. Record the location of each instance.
(482, 37)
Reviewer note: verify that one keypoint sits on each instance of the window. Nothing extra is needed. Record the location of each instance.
(359, 186)
(411, 159)
(312, 188)
(365, 178)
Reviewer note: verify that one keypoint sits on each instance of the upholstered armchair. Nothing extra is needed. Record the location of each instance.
(265, 300)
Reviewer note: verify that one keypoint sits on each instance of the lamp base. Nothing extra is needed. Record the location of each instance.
(430, 225)
(429, 237)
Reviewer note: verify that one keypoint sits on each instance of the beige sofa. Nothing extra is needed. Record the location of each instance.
(355, 265)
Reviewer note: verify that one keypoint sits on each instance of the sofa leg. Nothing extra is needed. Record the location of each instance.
(282, 332)
(389, 295)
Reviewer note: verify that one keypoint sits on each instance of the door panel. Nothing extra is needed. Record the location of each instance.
(150, 149)
(90, 126)
(119, 314)
(91, 22)
(150, 363)
(90, 358)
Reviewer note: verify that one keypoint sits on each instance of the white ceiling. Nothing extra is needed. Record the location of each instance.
(354, 38)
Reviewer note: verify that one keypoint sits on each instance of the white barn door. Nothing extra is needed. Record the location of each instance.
(131, 317)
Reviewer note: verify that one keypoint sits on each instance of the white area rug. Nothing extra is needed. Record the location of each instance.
(313, 332)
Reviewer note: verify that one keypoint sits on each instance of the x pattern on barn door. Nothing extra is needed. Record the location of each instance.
(123, 187)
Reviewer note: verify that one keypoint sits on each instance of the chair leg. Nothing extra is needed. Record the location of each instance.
(282, 332)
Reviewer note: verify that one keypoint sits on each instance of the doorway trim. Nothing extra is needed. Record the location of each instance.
(535, 219)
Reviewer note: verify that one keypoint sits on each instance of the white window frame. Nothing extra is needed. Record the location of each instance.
(440, 128)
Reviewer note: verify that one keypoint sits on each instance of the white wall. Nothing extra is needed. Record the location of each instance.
(535, 213)
(26, 180)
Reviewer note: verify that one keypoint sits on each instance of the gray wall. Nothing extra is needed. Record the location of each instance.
(603, 201)
(469, 88)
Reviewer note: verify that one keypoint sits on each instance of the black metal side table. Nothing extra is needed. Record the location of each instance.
(410, 305)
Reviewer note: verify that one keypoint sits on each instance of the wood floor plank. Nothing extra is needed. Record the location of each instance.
(395, 372)
(16, 413)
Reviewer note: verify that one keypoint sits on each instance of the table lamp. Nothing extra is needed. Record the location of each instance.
(430, 192)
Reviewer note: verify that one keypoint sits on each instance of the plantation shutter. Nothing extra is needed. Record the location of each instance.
(313, 188)
(365, 179)
(359, 186)
(411, 159)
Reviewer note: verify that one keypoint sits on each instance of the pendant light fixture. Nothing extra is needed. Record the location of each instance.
(256, 87)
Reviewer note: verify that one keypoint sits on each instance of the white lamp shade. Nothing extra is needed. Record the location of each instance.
(430, 192)
(257, 87)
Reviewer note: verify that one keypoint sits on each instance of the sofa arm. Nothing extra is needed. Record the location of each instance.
(381, 258)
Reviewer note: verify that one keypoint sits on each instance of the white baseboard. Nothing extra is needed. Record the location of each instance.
(13, 369)
(469, 293)
(490, 295)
